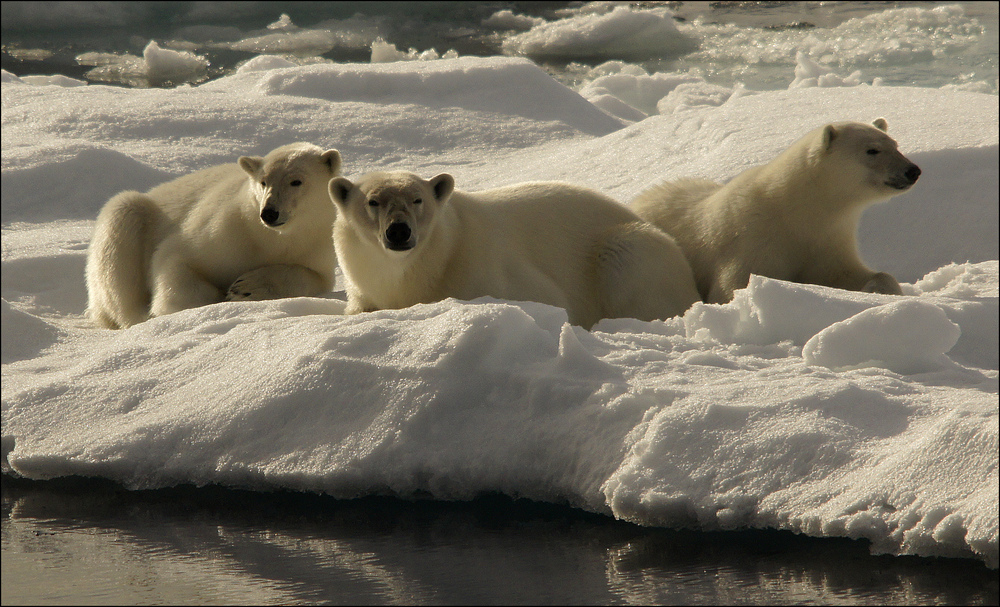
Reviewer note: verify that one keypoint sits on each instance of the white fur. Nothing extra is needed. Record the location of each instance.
(202, 238)
(552, 243)
(795, 218)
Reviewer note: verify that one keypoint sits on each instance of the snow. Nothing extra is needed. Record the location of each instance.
(882, 337)
(506, 20)
(796, 407)
(384, 52)
(56, 80)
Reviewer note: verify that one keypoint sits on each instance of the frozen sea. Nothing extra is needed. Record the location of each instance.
(799, 445)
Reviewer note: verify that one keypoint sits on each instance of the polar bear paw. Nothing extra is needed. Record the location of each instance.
(883, 283)
(252, 286)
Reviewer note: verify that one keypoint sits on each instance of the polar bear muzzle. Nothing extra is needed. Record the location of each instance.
(907, 179)
(398, 237)
(271, 217)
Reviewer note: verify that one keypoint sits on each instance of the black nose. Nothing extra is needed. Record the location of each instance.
(912, 173)
(269, 216)
(397, 235)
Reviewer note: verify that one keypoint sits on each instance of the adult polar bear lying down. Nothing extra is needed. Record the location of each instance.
(403, 240)
(256, 229)
(794, 218)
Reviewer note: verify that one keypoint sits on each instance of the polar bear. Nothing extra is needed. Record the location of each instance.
(256, 229)
(794, 218)
(403, 240)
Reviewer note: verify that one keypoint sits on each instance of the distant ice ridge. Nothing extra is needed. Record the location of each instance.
(797, 407)
(284, 37)
(383, 52)
(809, 73)
(933, 46)
(900, 35)
(56, 80)
(622, 33)
(156, 67)
(735, 53)
(180, 64)
(628, 92)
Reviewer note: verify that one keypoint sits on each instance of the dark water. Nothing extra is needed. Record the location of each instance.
(46, 38)
(126, 27)
(82, 541)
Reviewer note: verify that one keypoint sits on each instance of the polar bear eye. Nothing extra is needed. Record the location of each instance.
(417, 201)
(872, 152)
(373, 203)
(296, 183)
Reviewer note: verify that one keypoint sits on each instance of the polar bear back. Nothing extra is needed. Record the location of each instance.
(177, 197)
(199, 205)
(541, 243)
(542, 219)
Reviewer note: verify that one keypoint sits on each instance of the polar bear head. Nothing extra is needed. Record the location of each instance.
(862, 158)
(392, 210)
(288, 179)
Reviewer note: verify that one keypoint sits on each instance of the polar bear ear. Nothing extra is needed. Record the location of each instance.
(443, 185)
(881, 125)
(332, 159)
(251, 164)
(829, 134)
(339, 188)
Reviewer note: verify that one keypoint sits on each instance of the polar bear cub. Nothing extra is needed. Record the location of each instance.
(794, 218)
(256, 229)
(403, 240)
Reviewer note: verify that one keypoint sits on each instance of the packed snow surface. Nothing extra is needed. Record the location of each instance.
(796, 407)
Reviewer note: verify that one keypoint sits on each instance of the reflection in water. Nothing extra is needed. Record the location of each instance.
(80, 540)
(768, 568)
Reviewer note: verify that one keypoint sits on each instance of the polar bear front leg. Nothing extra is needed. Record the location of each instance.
(357, 303)
(730, 276)
(277, 281)
(176, 287)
